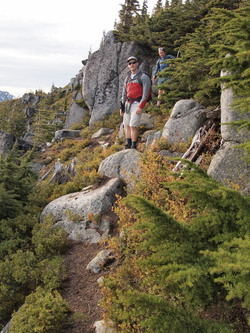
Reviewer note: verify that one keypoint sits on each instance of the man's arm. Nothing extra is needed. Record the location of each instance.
(157, 67)
(146, 85)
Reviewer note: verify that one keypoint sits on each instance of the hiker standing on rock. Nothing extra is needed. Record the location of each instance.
(136, 91)
(160, 66)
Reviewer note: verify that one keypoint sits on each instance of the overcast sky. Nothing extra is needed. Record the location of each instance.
(43, 42)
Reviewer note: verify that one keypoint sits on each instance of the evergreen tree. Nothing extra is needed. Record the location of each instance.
(203, 55)
(166, 4)
(176, 2)
(130, 9)
(45, 123)
(12, 117)
(16, 180)
(144, 10)
(168, 276)
(158, 7)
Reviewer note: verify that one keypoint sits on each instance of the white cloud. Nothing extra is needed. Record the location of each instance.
(43, 43)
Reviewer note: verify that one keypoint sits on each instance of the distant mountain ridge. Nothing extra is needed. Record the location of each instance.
(5, 96)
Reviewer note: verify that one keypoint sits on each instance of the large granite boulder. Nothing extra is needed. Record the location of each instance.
(123, 164)
(229, 114)
(104, 74)
(186, 118)
(229, 167)
(82, 214)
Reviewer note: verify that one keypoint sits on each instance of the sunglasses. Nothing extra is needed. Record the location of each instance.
(132, 63)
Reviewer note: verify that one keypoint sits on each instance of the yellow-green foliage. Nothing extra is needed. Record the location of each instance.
(43, 311)
(48, 240)
(73, 147)
(12, 117)
(25, 269)
(172, 237)
(232, 267)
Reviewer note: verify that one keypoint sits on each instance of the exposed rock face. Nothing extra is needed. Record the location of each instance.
(122, 164)
(7, 141)
(151, 137)
(186, 118)
(31, 99)
(75, 115)
(76, 81)
(228, 114)
(72, 211)
(228, 165)
(76, 112)
(31, 103)
(104, 75)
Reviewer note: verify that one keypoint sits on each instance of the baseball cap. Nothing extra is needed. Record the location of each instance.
(132, 58)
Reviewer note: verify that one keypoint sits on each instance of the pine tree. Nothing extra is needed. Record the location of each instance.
(166, 4)
(130, 9)
(168, 275)
(44, 123)
(144, 10)
(16, 180)
(158, 7)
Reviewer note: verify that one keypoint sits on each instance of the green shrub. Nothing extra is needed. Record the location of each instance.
(177, 265)
(43, 311)
(48, 240)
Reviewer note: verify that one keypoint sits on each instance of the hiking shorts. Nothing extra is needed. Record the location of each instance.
(130, 117)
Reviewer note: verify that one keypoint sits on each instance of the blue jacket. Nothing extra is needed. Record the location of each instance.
(160, 64)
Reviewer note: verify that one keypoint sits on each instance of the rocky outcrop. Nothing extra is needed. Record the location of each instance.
(186, 118)
(228, 115)
(7, 142)
(123, 164)
(61, 174)
(76, 82)
(66, 133)
(229, 165)
(31, 99)
(77, 111)
(104, 75)
(81, 213)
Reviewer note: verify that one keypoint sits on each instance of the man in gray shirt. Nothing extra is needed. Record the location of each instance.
(136, 91)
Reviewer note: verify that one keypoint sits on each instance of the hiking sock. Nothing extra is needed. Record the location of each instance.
(134, 144)
(128, 143)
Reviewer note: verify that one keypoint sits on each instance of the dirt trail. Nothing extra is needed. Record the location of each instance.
(81, 290)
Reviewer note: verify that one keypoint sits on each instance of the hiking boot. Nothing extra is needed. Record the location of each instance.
(127, 146)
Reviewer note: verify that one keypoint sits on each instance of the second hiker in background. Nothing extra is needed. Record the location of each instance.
(160, 65)
(136, 92)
